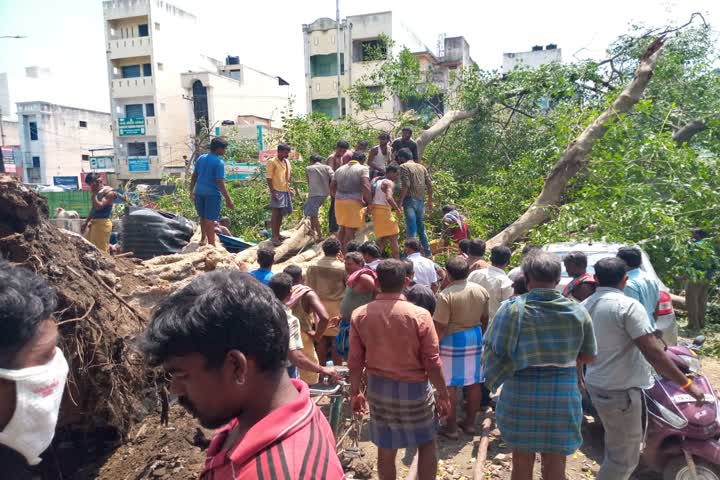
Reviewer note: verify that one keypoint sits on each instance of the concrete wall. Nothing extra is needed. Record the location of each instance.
(11, 133)
(532, 59)
(61, 141)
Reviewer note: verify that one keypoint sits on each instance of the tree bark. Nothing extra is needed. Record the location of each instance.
(684, 134)
(575, 157)
(437, 129)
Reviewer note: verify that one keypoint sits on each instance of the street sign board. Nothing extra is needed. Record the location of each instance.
(131, 126)
(102, 163)
(68, 182)
(138, 164)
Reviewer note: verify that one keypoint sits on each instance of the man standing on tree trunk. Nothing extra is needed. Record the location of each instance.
(335, 161)
(278, 180)
(703, 262)
(415, 183)
(351, 188)
(100, 215)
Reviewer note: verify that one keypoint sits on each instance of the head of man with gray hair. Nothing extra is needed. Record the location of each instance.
(542, 270)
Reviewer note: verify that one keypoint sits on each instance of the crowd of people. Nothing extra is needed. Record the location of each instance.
(427, 345)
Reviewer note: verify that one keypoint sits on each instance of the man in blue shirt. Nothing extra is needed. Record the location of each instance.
(207, 188)
(265, 258)
(640, 286)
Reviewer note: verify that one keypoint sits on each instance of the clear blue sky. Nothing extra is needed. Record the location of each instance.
(68, 37)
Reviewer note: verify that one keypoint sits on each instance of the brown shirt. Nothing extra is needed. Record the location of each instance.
(416, 178)
(394, 339)
(327, 278)
(461, 306)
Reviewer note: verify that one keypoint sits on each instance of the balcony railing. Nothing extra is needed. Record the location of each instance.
(132, 87)
(130, 47)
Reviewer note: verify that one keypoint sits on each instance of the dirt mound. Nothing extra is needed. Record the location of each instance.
(108, 386)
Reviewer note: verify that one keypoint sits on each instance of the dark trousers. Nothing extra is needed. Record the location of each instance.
(332, 222)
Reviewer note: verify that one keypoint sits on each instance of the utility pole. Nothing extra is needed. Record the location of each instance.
(339, 63)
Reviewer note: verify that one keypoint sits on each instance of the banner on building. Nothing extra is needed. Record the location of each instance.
(138, 164)
(71, 183)
(131, 126)
(102, 164)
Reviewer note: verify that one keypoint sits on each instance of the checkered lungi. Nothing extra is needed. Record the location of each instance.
(401, 414)
(540, 410)
(460, 353)
(282, 201)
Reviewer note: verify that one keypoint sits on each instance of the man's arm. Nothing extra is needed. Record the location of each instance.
(413, 149)
(298, 358)
(429, 351)
(269, 177)
(366, 189)
(315, 305)
(193, 182)
(365, 284)
(221, 186)
(441, 317)
(654, 353)
(485, 316)
(429, 187)
(403, 184)
(387, 188)
(333, 187)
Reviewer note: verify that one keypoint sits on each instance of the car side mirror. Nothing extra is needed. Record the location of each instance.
(699, 341)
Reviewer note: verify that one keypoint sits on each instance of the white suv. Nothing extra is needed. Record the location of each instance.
(595, 251)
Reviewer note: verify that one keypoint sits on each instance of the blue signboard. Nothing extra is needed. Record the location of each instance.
(71, 183)
(260, 138)
(138, 164)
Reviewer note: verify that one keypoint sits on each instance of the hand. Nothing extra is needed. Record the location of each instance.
(334, 322)
(358, 404)
(399, 211)
(330, 372)
(230, 204)
(696, 392)
(442, 403)
(277, 196)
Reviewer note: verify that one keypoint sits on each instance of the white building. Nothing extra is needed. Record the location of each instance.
(359, 42)
(536, 57)
(160, 84)
(56, 140)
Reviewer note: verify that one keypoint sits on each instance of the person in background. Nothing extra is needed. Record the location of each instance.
(536, 344)
(464, 246)
(640, 286)
(33, 370)
(519, 286)
(425, 273)
(351, 188)
(207, 187)
(380, 156)
(417, 294)
(405, 141)
(627, 347)
(334, 161)
(318, 177)
(415, 185)
(305, 304)
(382, 204)
(100, 217)
(281, 285)
(326, 277)
(353, 246)
(703, 263)
(360, 147)
(277, 173)
(476, 255)
(582, 284)
(371, 253)
(514, 273)
(223, 227)
(494, 280)
(395, 343)
(460, 319)
(223, 339)
(265, 259)
(360, 290)
(456, 229)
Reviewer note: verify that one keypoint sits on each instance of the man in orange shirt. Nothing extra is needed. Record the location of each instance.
(397, 344)
(277, 173)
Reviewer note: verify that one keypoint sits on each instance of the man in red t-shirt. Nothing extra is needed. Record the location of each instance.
(224, 341)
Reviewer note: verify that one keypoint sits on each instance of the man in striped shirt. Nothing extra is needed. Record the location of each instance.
(224, 341)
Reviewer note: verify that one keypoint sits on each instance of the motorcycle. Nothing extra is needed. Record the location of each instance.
(682, 435)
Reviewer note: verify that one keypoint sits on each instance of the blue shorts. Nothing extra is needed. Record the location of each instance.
(312, 205)
(208, 206)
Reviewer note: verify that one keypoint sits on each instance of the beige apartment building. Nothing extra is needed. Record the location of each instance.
(359, 37)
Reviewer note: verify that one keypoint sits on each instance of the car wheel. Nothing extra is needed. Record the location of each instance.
(677, 469)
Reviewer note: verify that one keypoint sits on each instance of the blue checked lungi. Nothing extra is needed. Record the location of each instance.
(283, 201)
(540, 410)
(402, 414)
(461, 356)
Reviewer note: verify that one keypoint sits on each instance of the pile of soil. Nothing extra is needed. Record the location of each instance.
(109, 387)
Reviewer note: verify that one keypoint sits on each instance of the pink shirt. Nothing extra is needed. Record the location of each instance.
(394, 339)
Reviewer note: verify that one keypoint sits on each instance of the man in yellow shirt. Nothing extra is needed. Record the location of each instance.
(278, 178)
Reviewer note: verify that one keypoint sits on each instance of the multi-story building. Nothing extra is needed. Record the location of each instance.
(361, 53)
(161, 85)
(56, 141)
(536, 57)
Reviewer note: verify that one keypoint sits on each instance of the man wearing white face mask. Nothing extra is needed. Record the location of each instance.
(32, 370)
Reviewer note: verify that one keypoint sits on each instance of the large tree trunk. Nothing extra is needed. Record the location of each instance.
(575, 157)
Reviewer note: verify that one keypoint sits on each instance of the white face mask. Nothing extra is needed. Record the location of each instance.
(39, 393)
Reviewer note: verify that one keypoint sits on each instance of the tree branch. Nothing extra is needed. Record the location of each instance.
(434, 131)
(576, 156)
(684, 134)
